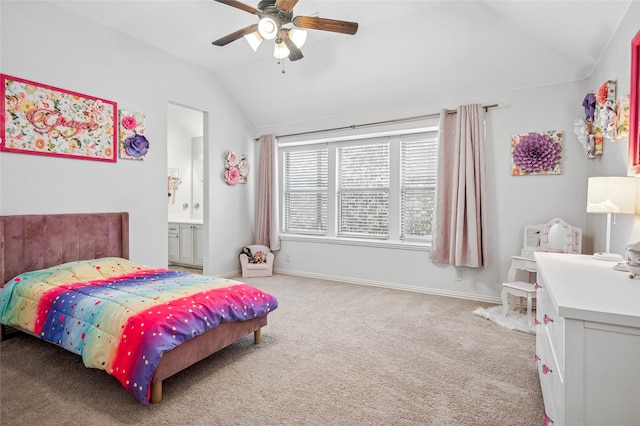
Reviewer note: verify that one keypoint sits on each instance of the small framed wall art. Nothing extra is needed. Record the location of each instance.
(236, 168)
(133, 143)
(46, 120)
(536, 153)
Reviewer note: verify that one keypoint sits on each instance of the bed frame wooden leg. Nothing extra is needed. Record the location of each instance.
(2, 332)
(256, 336)
(156, 392)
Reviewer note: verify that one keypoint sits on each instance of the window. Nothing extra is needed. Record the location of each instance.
(305, 191)
(363, 190)
(418, 155)
(373, 187)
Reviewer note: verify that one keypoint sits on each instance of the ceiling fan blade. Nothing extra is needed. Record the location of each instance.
(294, 52)
(240, 5)
(235, 35)
(287, 5)
(313, 23)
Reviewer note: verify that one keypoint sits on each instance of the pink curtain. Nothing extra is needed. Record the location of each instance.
(267, 200)
(459, 228)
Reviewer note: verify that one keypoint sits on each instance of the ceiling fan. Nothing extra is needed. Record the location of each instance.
(275, 17)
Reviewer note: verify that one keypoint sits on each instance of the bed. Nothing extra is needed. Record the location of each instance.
(63, 247)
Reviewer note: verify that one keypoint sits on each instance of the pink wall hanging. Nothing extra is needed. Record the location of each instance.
(46, 120)
(236, 168)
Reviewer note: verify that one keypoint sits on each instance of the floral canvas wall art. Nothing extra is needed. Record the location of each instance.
(621, 124)
(606, 118)
(536, 153)
(45, 120)
(584, 127)
(236, 168)
(133, 143)
(605, 114)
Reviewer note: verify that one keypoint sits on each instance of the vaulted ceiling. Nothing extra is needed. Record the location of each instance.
(405, 52)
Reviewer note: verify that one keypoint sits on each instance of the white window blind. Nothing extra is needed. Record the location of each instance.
(418, 154)
(305, 191)
(374, 187)
(363, 190)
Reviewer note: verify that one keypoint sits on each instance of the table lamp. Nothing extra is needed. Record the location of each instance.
(611, 195)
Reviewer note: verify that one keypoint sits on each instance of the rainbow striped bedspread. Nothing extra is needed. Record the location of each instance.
(121, 316)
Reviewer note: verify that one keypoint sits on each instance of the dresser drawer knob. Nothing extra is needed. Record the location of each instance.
(547, 319)
(546, 369)
(536, 358)
(546, 419)
(537, 286)
(536, 322)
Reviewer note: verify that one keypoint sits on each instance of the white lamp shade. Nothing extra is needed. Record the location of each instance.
(254, 39)
(611, 194)
(280, 51)
(268, 28)
(298, 37)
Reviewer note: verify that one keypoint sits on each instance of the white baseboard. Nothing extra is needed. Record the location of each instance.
(396, 286)
(229, 274)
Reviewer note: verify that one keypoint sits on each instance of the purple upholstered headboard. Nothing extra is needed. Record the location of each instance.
(31, 242)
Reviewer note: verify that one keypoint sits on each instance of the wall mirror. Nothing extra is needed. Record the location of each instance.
(634, 109)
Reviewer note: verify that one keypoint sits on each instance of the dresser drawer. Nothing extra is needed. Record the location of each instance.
(174, 229)
(551, 379)
(550, 323)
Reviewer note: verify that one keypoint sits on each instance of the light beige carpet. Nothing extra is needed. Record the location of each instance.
(332, 354)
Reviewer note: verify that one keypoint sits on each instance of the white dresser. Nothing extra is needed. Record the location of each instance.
(587, 341)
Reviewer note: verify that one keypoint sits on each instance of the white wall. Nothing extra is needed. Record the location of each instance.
(46, 44)
(513, 201)
(615, 64)
(107, 64)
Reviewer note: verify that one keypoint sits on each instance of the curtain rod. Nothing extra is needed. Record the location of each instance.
(377, 123)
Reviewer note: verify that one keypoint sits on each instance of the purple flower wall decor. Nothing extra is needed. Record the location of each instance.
(136, 146)
(589, 104)
(536, 153)
(605, 118)
(133, 144)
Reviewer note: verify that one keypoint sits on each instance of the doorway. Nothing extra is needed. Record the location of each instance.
(186, 203)
(185, 161)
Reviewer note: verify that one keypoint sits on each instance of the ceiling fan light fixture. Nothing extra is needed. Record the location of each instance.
(298, 37)
(277, 22)
(268, 28)
(254, 39)
(280, 51)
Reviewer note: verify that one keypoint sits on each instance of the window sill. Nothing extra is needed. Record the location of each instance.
(397, 245)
